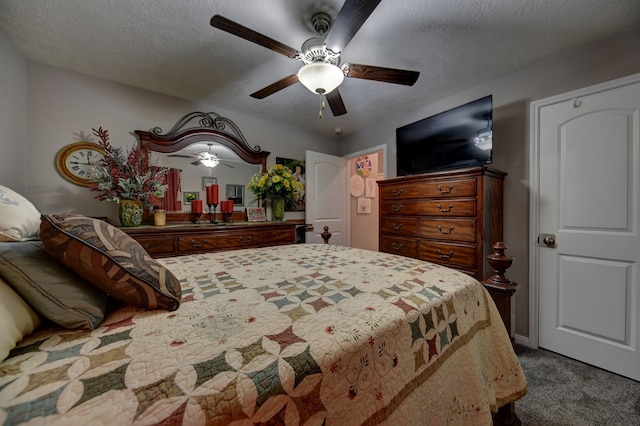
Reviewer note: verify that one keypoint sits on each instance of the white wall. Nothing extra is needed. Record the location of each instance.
(64, 106)
(14, 172)
(595, 63)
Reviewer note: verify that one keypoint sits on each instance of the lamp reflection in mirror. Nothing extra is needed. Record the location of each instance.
(320, 78)
(208, 160)
(484, 140)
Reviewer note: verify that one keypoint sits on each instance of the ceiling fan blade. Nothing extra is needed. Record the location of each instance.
(273, 88)
(348, 22)
(387, 75)
(241, 31)
(335, 102)
(196, 163)
(228, 165)
(182, 156)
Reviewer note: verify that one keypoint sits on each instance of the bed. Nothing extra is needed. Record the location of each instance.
(297, 334)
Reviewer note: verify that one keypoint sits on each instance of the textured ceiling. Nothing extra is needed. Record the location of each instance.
(168, 46)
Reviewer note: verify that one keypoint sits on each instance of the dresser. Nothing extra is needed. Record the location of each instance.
(450, 218)
(182, 239)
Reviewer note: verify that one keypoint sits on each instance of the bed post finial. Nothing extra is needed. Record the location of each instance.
(500, 287)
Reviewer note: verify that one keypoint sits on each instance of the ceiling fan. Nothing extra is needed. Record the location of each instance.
(321, 73)
(206, 158)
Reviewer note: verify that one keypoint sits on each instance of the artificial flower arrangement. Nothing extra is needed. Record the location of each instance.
(277, 182)
(129, 176)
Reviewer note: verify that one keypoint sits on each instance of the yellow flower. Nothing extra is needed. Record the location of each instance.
(277, 182)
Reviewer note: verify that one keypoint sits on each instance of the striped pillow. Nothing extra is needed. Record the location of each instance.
(110, 260)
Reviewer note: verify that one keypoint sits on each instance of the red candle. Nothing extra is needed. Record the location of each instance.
(230, 206)
(223, 206)
(196, 206)
(212, 194)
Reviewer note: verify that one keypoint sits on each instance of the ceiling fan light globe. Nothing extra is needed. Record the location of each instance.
(208, 160)
(320, 78)
(209, 163)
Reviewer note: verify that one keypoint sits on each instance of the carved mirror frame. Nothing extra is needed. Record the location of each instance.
(213, 128)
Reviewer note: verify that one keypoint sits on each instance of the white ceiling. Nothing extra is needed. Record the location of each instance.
(168, 46)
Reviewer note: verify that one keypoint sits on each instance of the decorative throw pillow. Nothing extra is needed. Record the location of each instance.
(19, 219)
(49, 287)
(17, 319)
(111, 260)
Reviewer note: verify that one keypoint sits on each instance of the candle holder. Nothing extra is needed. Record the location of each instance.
(196, 217)
(212, 207)
(227, 217)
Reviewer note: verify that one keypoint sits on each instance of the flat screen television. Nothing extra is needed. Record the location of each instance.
(458, 138)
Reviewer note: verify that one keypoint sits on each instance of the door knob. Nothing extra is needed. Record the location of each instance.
(548, 240)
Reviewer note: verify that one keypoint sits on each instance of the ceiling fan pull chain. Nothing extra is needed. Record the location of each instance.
(322, 105)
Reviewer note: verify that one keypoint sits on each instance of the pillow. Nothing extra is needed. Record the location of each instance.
(19, 219)
(52, 290)
(111, 260)
(17, 319)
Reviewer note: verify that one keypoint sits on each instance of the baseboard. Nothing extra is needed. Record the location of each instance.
(522, 340)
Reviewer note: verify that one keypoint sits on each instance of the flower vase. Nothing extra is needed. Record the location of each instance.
(130, 212)
(277, 209)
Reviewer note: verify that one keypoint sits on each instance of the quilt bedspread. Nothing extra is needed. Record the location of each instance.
(300, 334)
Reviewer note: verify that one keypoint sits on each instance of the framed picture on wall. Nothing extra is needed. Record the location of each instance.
(364, 205)
(189, 196)
(370, 188)
(207, 180)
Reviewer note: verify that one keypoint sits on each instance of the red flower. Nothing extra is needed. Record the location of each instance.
(126, 177)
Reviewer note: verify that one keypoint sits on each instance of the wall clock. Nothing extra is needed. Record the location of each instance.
(76, 162)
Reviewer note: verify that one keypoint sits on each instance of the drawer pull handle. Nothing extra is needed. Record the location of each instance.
(396, 208)
(396, 192)
(245, 241)
(397, 247)
(445, 231)
(396, 227)
(448, 209)
(444, 191)
(194, 245)
(445, 256)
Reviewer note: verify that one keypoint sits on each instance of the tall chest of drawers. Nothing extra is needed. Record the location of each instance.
(451, 218)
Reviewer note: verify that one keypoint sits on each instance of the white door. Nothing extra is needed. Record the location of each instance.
(327, 198)
(589, 200)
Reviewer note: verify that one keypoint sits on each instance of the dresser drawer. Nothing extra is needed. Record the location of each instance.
(407, 226)
(448, 254)
(463, 230)
(280, 236)
(402, 246)
(430, 208)
(158, 245)
(218, 241)
(432, 189)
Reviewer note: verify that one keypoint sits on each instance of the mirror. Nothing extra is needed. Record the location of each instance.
(219, 136)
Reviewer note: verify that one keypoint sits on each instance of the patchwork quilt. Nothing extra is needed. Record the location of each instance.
(302, 334)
